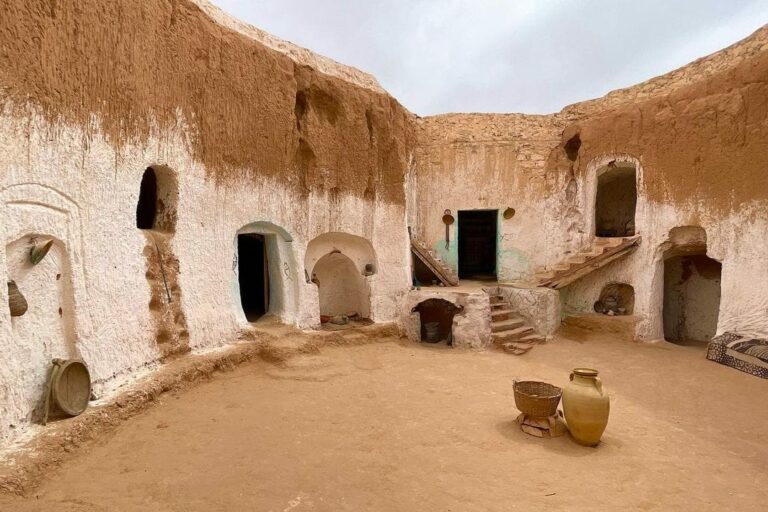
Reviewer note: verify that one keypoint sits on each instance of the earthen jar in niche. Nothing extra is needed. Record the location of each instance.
(586, 406)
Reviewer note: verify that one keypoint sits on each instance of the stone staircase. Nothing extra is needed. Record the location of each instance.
(433, 262)
(602, 252)
(510, 331)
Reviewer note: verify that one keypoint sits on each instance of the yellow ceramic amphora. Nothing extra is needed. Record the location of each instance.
(586, 406)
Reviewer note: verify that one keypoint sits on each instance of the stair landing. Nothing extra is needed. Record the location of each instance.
(602, 252)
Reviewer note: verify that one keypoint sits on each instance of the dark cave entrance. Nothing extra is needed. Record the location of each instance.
(691, 298)
(253, 275)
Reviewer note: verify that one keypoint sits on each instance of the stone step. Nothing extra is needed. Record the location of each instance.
(578, 259)
(517, 349)
(532, 339)
(497, 299)
(514, 334)
(614, 241)
(499, 315)
(507, 325)
(561, 267)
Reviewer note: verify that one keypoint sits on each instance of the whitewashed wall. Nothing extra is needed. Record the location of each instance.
(57, 181)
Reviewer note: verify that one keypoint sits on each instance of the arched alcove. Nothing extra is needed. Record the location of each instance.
(157, 206)
(616, 299)
(47, 330)
(616, 200)
(356, 248)
(340, 264)
(342, 289)
(436, 319)
(691, 294)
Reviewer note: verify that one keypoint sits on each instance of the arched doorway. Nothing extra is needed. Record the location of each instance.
(265, 270)
(343, 291)
(253, 275)
(616, 200)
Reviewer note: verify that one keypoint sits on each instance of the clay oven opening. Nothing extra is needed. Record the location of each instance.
(616, 299)
(478, 231)
(253, 275)
(436, 318)
(158, 198)
(691, 297)
(343, 291)
(616, 200)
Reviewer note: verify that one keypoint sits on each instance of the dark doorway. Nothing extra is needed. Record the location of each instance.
(146, 210)
(616, 202)
(253, 275)
(477, 244)
(691, 298)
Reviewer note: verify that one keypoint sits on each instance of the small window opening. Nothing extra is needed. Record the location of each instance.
(146, 210)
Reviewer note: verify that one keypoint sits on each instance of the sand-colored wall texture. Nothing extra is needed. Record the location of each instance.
(257, 137)
(698, 138)
(250, 134)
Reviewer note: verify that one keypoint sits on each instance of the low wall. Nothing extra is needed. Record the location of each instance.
(471, 326)
(540, 306)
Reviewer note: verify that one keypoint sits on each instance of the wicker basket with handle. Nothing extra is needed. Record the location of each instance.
(537, 399)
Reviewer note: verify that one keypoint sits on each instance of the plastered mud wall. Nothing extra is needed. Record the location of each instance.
(697, 138)
(263, 137)
(494, 161)
(259, 137)
(250, 111)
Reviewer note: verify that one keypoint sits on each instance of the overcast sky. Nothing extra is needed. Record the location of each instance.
(533, 56)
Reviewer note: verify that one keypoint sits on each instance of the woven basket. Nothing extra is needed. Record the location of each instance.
(16, 301)
(71, 385)
(537, 399)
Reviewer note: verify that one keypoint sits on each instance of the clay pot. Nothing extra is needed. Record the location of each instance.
(16, 301)
(586, 406)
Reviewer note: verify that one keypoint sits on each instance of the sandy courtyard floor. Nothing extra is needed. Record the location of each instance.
(388, 427)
